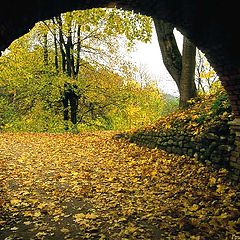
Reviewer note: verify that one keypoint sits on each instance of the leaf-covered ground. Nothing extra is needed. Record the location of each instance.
(90, 186)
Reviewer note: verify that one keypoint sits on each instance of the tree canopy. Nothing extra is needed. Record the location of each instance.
(77, 63)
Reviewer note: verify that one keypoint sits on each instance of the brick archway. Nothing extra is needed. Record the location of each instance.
(210, 24)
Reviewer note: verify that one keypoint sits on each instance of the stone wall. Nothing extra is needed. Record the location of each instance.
(235, 154)
(215, 146)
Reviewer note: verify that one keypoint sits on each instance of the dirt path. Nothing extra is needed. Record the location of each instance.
(89, 186)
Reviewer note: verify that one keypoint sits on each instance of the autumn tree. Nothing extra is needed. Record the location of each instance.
(205, 76)
(33, 82)
(30, 98)
(90, 36)
(180, 66)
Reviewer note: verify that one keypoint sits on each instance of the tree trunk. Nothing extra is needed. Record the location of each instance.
(70, 97)
(55, 48)
(45, 49)
(187, 84)
(180, 67)
(61, 43)
(171, 55)
(74, 106)
(65, 110)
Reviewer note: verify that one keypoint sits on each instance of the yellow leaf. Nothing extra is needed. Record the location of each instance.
(56, 218)
(74, 173)
(194, 208)
(212, 181)
(181, 236)
(131, 229)
(41, 205)
(15, 201)
(122, 219)
(37, 214)
(154, 173)
(194, 117)
(102, 237)
(168, 125)
(27, 213)
(32, 200)
(64, 230)
(14, 228)
(91, 216)
(223, 171)
(223, 215)
(41, 234)
(196, 132)
(220, 189)
(195, 238)
(79, 217)
(27, 223)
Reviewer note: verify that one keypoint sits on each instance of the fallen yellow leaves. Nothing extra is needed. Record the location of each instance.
(80, 216)
(193, 208)
(90, 186)
(15, 202)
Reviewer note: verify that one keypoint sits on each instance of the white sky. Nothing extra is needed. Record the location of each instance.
(149, 55)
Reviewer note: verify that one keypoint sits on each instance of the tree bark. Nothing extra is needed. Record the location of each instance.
(65, 109)
(61, 43)
(70, 97)
(55, 48)
(187, 84)
(180, 67)
(73, 98)
(45, 49)
(171, 55)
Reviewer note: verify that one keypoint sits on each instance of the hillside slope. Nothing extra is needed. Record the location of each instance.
(201, 131)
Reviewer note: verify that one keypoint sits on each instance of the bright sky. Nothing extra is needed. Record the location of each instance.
(149, 55)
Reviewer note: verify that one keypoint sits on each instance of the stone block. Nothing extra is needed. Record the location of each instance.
(211, 136)
(180, 144)
(235, 154)
(235, 165)
(225, 148)
(184, 150)
(233, 159)
(190, 152)
(234, 177)
(169, 149)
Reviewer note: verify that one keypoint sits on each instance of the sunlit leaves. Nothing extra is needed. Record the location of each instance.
(205, 74)
(108, 100)
(34, 88)
(204, 112)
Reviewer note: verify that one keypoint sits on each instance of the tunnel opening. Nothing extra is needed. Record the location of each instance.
(213, 34)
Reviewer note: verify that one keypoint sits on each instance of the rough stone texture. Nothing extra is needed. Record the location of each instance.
(210, 24)
(217, 146)
(235, 154)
